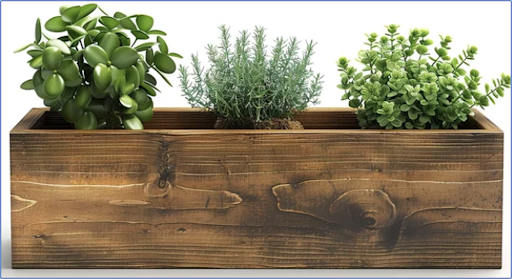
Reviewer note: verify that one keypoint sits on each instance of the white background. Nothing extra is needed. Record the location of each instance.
(339, 29)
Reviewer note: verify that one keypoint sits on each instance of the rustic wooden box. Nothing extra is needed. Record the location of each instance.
(180, 194)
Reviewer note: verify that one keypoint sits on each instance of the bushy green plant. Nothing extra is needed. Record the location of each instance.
(400, 88)
(244, 85)
(94, 74)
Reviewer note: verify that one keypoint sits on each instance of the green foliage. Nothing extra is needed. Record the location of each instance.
(94, 74)
(400, 88)
(244, 85)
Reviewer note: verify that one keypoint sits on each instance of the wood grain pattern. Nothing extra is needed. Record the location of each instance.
(181, 194)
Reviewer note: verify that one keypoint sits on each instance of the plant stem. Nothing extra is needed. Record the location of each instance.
(134, 42)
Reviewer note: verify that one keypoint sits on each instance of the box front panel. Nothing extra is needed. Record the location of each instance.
(310, 200)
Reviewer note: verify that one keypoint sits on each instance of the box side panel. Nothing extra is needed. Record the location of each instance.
(257, 201)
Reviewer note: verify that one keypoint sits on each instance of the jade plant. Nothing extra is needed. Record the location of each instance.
(248, 88)
(95, 73)
(403, 85)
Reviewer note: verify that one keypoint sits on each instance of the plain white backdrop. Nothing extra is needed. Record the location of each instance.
(337, 27)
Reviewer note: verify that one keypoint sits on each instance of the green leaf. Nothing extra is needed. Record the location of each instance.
(179, 56)
(60, 45)
(132, 122)
(56, 24)
(149, 56)
(126, 101)
(124, 57)
(144, 46)
(25, 47)
(38, 31)
(140, 35)
(487, 88)
(127, 23)
(163, 76)
(88, 121)
(109, 43)
(52, 58)
(162, 45)
(76, 31)
(94, 54)
(157, 32)
(70, 14)
(109, 22)
(102, 75)
(144, 115)
(144, 22)
(71, 111)
(36, 62)
(35, 52)
(85, 10)
(91, 25)
(164, 63)
(148, 89)
(129, 87)
(27, 85)
(133, 76)
(424, 119)
(83, 96)
(141, 70)
(54, 85)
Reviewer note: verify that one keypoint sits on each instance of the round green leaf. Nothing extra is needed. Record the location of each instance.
(148, 89)
(85, 10)
(133, 76)
(70, 14)
(75, 31)
(94, 54)
(70, 73)
(128, 88)
(102, 75)
(71, 112)
(126, 101)
(27, 85)
(119, 15)
(140, 35)
(54, 85)
(151, 79)
(63, 8)
(175, 55)
(88, 121)
(164, 63)
(109, 42)
(36, 62)
(109, 22)
(35, 52)
(125, 41)
(41, 93)
(89, 26)
(56, 24)
(124, 57)
(157, 32)
(97, 108)
(145, 115)
(52, 58)
(83, 96)
(132, 122)
(147, 104)
(38, 31)
(162, 45)
(116, 73)
(45, 73)
(60, 45)
(140, 96)
(144, 22)
(51, 102)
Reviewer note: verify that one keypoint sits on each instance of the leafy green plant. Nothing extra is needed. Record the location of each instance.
(94, 74)
(245, 86)
(400, 88)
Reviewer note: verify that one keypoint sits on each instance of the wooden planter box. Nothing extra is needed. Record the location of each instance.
(181, 194)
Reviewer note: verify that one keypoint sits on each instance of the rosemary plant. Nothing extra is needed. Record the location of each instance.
(400, 88)
(245, 86)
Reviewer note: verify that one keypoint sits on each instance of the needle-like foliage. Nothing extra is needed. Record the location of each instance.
(400, 88)
(244, 85)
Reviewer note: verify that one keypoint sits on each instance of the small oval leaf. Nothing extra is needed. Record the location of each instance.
(126, 101)
(36, 62)
(52, 58)
(70, 14)
(83, 96)
(150, 56)
(163, 45)
(94, 54)
(140, 35)
(88, 121)
(56, 24)
(60, 45)
(132, 122)
(85, 10)
(54, 85)
(27, 85)
(157, 32)
(109, 42)
(144, 22)
(124, 57)
(175, 55)
(38, 31)
(109, 22)
(165, 63)
(102, 75)
(71, 111)
(75, 31)
(145, 115)
(133, 76)
(144, 46)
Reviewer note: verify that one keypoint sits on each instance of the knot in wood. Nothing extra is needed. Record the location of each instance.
(369, 209)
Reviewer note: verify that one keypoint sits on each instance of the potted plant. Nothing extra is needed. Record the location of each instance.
(95, 74)
(331, 195)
